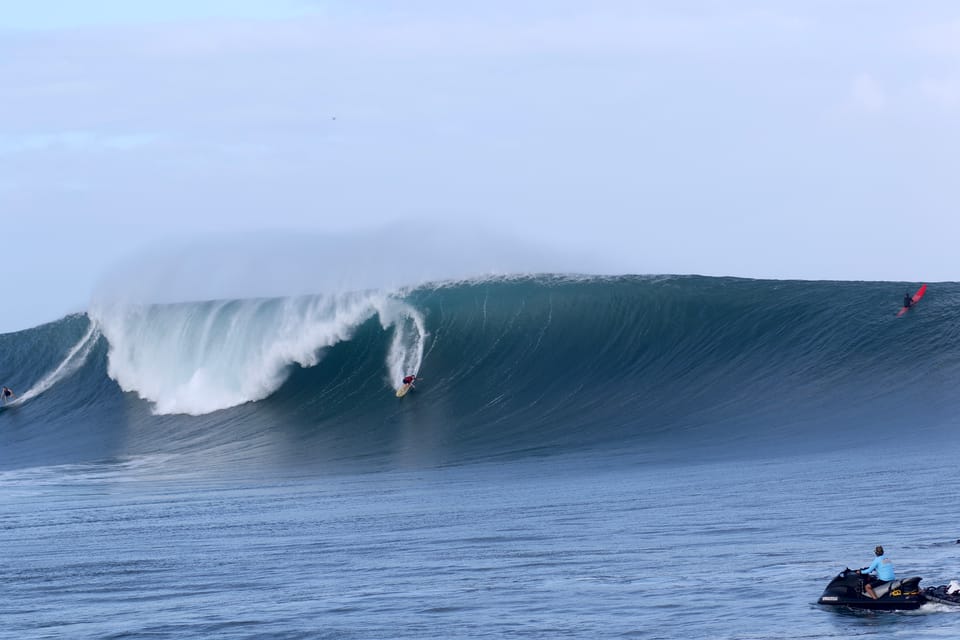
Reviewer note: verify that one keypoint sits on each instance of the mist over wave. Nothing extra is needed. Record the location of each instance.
(271, 264)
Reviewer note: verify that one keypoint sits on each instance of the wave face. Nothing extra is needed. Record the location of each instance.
(661, 368)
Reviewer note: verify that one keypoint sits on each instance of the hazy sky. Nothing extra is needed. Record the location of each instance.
(810, 139)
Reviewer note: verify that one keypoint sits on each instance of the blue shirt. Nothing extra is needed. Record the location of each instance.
(883, 566)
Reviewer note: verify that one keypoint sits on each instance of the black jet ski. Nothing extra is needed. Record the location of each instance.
(939, 594)
(846, 590)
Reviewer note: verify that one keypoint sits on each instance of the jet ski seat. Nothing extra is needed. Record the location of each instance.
(894, 585)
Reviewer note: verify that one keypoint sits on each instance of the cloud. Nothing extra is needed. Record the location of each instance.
(866, 94)
(941, 39)
(942, 92)
(605, 28)
(74, 141)
(229, 78)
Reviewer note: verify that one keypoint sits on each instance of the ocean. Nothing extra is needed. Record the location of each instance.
(583, 457)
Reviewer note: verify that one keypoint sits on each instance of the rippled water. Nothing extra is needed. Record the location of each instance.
(567, 547)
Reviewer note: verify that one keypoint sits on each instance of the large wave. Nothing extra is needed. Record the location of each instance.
(666, 367)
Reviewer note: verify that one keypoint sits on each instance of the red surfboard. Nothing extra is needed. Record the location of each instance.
(919, 294)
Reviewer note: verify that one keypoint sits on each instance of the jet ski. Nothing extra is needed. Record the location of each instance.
(943, 595)
(847, 590)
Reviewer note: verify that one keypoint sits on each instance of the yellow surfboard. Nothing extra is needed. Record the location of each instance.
(402, 391)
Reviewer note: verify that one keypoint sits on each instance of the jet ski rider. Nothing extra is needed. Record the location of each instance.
(883, 567)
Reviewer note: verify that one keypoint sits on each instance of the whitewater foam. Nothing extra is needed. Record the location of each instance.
(202, 357)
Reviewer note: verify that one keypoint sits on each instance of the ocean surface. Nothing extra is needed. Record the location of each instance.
(584, 457)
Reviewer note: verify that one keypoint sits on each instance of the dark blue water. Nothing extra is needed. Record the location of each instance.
(633, 458)
(569, 547)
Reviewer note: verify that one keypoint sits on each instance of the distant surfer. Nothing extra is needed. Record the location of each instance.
(410, 380)
(7, 394)
(909, 302)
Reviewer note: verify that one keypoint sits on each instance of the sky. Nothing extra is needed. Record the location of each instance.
(798, 139)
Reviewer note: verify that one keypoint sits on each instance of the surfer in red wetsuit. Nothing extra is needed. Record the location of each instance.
(409, 380)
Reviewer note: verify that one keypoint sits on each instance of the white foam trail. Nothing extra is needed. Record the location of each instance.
(405, 355)
(73, 361)
(196, 358)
